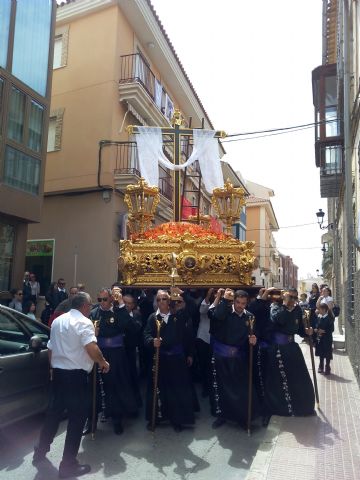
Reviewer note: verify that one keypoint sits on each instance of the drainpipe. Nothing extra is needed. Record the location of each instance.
(349, 226)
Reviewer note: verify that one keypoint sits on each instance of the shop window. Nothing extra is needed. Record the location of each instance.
(7, 239)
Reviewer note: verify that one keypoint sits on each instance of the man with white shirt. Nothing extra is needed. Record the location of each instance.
(72, 352)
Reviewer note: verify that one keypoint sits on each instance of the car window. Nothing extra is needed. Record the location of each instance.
(12, 338)
(34, 327)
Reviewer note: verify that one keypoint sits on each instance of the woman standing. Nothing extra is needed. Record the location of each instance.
(313, 298)
(16, 302)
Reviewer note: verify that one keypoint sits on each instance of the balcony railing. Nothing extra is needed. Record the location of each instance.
(331, 170)
(127, 163)
(135, 69)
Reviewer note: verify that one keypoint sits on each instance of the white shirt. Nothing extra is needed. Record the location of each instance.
(69, 335)
(164, 316)
(204, 325)
(326, 300)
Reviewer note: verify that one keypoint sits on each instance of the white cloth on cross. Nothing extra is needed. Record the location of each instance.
(205, 149)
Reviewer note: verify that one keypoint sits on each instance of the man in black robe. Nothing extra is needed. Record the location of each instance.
(175, 395)
(288, 389)
(260, 308)
(230, 339)
(116, 397)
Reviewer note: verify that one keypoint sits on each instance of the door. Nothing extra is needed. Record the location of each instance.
(23, 374)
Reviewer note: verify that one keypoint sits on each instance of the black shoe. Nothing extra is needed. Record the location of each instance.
(38, 457)
(327, 370)
(321, 370)
(118, 428)
(76, 470)
(177, 427)
(218, 422)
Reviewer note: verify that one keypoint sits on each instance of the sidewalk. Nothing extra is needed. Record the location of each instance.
(326, 447)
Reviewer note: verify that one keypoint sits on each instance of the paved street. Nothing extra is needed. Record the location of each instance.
(325, 447)
(197, 453)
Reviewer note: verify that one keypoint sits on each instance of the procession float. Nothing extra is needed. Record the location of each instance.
(189, 251)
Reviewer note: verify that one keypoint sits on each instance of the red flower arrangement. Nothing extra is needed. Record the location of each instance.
(176, 230)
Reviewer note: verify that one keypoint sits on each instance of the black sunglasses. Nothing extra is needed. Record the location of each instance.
(293, 297)
(103, 299)
(162, 299)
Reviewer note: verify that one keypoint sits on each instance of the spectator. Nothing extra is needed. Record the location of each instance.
(26, 287)
(29, 309)
(35, 288)
(16, 302)
(74, 291)
(57, 294)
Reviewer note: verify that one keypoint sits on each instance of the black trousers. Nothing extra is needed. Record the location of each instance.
(68, 393)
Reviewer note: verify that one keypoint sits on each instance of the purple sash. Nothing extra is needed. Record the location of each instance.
(110, 342)
(282, 338)
(224, 350)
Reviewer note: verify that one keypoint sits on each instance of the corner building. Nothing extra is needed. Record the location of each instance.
(26, 39)
(114, 65)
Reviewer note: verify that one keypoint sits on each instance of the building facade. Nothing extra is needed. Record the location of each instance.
(26, 40)
(336, 98)
(261, 222)
(114, 66)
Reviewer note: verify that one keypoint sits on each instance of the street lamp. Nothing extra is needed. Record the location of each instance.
(320, 218)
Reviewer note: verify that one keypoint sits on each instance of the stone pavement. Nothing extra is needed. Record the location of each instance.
(325, 447)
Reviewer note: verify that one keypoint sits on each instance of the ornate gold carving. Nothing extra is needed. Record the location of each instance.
(177, 118)
(202, 259)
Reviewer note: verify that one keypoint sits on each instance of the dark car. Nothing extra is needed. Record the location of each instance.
(24, 366)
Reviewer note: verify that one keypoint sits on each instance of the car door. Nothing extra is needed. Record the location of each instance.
(23, 373)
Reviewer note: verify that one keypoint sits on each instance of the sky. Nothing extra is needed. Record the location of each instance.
(250, 63)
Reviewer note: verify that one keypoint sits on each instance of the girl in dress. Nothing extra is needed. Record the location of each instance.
(324, 338)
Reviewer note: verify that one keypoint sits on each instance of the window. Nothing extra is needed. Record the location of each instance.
(1, 102)
(16, 115)
(35, 126)
(31, 43)
(5, 10)
(51, 134)
(12, 338)
(57, 51)
(21, 171)
(35, 328)
(55, 130)
(61, 47)
(7, 238)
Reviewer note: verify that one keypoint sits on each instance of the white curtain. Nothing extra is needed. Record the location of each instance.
(206, 150)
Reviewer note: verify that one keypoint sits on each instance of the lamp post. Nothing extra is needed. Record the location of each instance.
(320, 219)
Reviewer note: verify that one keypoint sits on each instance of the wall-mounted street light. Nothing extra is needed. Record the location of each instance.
(320, 218)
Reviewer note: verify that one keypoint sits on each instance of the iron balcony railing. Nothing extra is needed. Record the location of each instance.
(135, 68)
(127, 163)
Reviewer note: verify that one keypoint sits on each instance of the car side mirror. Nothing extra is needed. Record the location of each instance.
(35, 343)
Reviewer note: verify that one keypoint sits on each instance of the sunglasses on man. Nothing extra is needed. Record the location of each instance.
(102, 299)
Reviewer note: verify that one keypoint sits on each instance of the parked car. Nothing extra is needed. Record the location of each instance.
(24, 366)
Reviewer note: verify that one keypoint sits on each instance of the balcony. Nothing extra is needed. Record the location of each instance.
(140, 88)
(331, 170)
(127, 171)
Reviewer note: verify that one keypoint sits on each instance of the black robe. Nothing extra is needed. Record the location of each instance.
(116, 385)
(323, 342)
(230, 367)
(263, 330)
(288, 389)
(175, 400)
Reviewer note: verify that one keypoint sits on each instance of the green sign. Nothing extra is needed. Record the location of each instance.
(39, 248)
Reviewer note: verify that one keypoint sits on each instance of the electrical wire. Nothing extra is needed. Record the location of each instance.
(307, 125)
(287, 226)
(263, 136)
